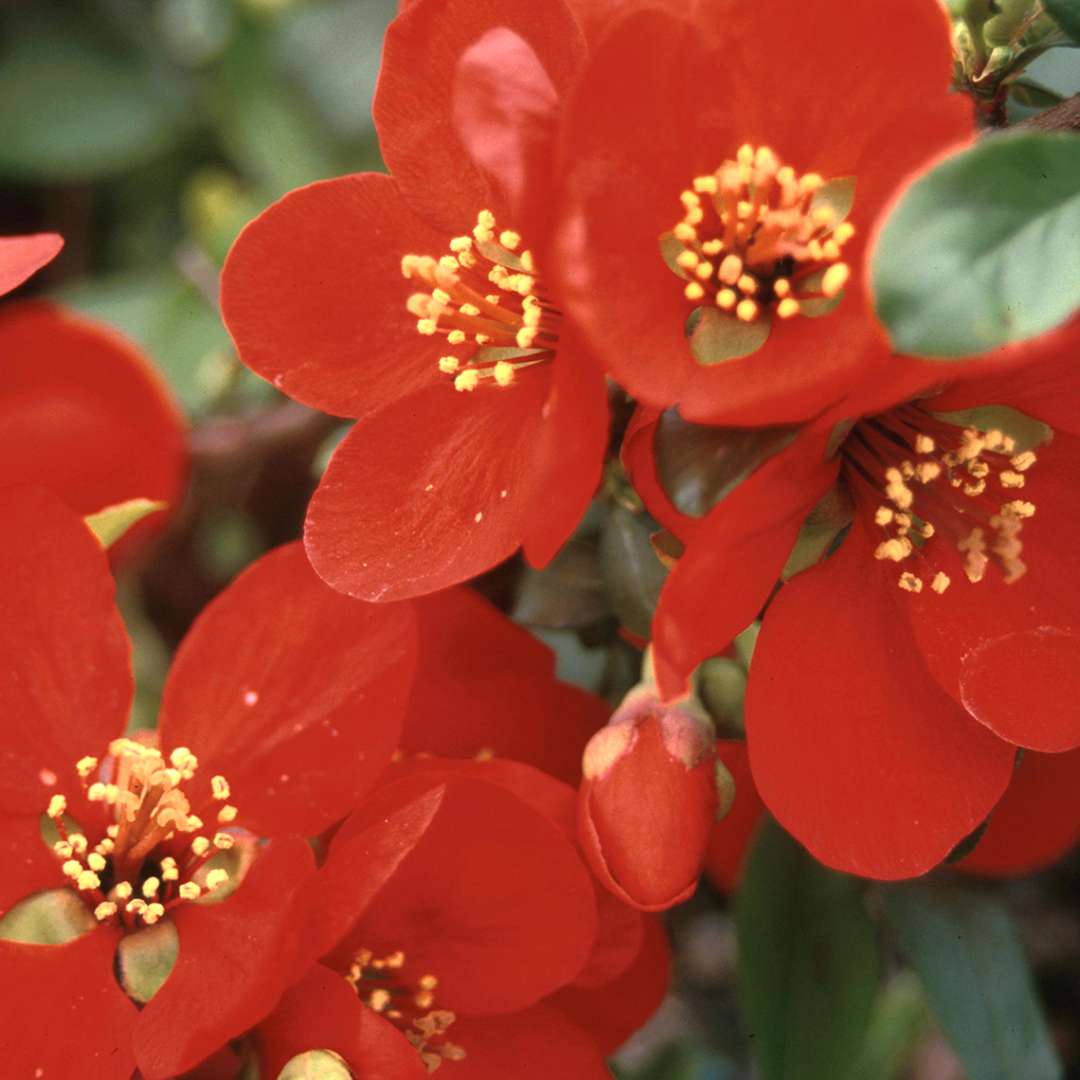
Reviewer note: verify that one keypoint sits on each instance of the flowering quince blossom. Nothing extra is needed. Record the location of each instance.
(23, 256)
(86, 415)
(776, 133)
(951, 583)
(419, 303)
(483, 949)
(283, 704)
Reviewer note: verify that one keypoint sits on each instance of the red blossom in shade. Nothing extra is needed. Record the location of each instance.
(418, 303)
(731, 838)
(23, 256)
(284, 704)
(941, 620)
(87, 416)
(483, 948)
(745, 224)
(649, 799)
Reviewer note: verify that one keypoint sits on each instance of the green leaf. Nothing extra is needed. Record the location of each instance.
(633, 573)
(699, 465)
(1034, 95)
(569, 592)
(716, 336)
(1066, 13)
(111, 522)
(145, 959)
(900, 1020)
(78, 107)
(963, 946)
(808, 962)
(52, 917)
(982, 250)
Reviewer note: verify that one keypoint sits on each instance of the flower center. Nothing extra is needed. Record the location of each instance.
(941, 481)
(382, 983)
(483, 298)
(758, 238)
(152, 851)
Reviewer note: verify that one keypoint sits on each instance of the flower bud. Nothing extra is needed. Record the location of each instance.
(649, 798)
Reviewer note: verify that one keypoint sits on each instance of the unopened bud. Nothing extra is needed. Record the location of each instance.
(649, 799)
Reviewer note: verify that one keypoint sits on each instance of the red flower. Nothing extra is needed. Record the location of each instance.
(892, 682)
(22, 256)
(775, 133)
(87, 416)
(284, 703)
(649, 800)
(375, 296)
(483, 948)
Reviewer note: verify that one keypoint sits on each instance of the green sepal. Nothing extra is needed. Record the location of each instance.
(110, 523)
(53, 917)
(145, 959)
(716, 337)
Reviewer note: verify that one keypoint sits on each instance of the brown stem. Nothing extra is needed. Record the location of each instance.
(1064, 116)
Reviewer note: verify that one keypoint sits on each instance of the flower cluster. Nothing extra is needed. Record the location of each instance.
(618, 244)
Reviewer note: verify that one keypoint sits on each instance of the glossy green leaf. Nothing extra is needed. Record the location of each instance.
(1066, 13)
(633, 573)
(983, 250)
(964, 948)
(699, 465)
(808, 962)
(145, 959)
(111, 522)
(900, 1020)
(77, 106)
(716, 336)
(1033, 95)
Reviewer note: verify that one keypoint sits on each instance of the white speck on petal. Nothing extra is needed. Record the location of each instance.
(479, 516)
(430, 487)
(251, 697)
(503, 493)
(47, 777)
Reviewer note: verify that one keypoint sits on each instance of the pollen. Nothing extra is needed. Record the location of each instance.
(408, 1001)
(145, 858)
(460, 306)
(942, 489)
(765, 232)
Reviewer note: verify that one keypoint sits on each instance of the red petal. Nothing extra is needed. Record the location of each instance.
(231, 968)
(294, 693)
(66, 684)
(1037, 820)
(479, 669)
(779, 87)
(639, 459)
(21, 256)
(360, 863)
(428, 492)
(29, 866)
(417, 136)
(732, 835)
(86, 415)
(611, 1013)
(570, 449)
(63, 1000)
(493, 900)
(1041, 381)
(1010, 654)
(313, 296)
(855, 749)
(537, 1044)
(324, 1013)
(506, 111)
(718, 587)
